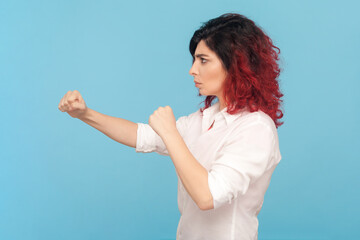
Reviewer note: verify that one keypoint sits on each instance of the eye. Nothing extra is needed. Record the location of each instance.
(203, 60)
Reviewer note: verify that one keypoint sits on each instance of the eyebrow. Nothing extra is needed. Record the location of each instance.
(201, 55)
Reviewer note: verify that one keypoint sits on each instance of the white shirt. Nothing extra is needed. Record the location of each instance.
(240, 153)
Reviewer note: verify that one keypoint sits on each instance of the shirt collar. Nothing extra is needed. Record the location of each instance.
(214, 109)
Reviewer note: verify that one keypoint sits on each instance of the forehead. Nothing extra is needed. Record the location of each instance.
(201, 48)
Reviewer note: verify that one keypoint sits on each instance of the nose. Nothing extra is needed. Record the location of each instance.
(193, 71)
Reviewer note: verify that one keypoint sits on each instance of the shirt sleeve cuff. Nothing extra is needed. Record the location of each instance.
(142, 135)
(148, 140)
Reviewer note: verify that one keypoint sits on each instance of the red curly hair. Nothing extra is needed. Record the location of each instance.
(250, 59)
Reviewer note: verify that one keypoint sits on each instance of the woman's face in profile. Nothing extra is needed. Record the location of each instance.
(208, 71)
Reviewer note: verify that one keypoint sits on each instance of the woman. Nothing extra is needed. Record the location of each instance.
(224, 153)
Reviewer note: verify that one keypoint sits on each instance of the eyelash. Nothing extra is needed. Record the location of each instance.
(201, 60)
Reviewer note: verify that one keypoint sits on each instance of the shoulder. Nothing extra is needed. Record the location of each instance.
(183, 122)
(190, 116)
(257, 120)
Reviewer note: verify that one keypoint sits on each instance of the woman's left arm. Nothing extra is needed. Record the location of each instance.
(193, 175)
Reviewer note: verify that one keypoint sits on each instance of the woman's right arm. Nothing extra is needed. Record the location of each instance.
(118, 129)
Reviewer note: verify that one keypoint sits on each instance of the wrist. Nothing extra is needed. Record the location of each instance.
(171, 134)
(86, 115)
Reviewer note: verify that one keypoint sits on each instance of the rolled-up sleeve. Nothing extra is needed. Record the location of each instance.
(245, 157)
(149, 141)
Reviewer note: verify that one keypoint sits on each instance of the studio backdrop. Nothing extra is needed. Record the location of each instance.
(62, 179)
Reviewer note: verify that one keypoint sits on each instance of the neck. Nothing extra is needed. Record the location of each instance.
(222, 104)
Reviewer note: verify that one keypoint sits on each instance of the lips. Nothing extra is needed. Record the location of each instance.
(197, 82)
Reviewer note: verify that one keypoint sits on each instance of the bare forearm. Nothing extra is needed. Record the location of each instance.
(193, 175)
(118, 129)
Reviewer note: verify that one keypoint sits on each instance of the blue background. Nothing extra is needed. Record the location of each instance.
(62, 179)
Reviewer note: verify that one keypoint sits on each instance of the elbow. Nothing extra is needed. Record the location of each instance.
(207, 204)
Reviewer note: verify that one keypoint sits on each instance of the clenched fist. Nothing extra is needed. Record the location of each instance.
(163, 121)
(73, 104)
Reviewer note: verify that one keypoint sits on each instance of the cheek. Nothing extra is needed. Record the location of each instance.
(215, 74)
